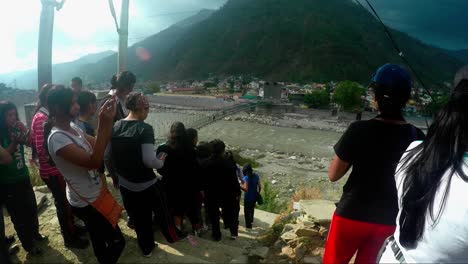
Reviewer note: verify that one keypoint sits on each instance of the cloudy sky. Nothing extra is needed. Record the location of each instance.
(86, 26)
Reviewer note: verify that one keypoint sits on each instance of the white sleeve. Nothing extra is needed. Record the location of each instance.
(149, 157)
(58, 141)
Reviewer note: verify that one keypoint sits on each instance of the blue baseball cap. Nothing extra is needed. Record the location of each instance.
(393, 76)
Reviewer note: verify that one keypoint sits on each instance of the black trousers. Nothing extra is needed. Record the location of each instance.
(141, 206)
(108, 242)
(230, 207)
(249, 209)
(4, 254)
(57, 186)
(20, 202)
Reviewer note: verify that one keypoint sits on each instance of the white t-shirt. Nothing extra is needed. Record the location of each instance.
(447, 240)
(86, 182)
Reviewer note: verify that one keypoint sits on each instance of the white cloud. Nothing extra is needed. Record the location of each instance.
(81, 27)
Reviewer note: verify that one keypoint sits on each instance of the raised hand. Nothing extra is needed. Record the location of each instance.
(108, 111)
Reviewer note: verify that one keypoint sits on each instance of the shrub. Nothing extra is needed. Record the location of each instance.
(348, 95)
(317, 99)
(271, 202)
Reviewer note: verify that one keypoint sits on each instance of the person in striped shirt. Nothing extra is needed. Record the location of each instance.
(51, 176)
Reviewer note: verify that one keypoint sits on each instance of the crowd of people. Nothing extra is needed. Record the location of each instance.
(403, 200)
(73, 155)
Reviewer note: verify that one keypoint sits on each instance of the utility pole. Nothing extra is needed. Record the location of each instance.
(46, 31)
(122, 30)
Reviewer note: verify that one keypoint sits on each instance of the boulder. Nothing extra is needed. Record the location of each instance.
(318, 251)
(306, 221)
(300, 251)
(323, 232)
(322, 210)
(307, 232)
(288, 252)
(288, 227)
(261, 252)
(288, 236)
(279, 244)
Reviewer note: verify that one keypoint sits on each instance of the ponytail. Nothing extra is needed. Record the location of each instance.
(60, 99)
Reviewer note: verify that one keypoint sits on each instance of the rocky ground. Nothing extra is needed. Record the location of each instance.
(246, 249)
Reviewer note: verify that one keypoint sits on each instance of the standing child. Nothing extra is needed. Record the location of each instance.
(251, 187)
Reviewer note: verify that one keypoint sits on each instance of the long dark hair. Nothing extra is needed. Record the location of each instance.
(60, 99)
(5, 106)
(426, 164)
(42, 97)
(123, 80)
(178, 136)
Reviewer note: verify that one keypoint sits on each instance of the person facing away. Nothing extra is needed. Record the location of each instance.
(78, 156)
(365, 215)
(432, 179)
(196, 193)
(16, 191)
(222, 191)
(131, 156)
(179, 181)
(51, 175)
(76, 84)
(88, 106)
(121, 86)
(251, 187)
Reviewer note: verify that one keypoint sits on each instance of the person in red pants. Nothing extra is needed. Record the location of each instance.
(366, 213)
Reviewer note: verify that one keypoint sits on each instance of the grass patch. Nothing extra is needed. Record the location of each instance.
(271, 202)
(242, 160)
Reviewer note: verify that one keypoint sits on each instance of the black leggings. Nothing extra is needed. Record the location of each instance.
(4, 254)
(20, 202)
(141, 206)
(108, 242)
(57, 186)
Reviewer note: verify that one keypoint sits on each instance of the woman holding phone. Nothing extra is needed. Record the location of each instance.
(78, 156)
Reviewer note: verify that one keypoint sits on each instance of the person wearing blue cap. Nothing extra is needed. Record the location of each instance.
(432, 180)
(365, 215)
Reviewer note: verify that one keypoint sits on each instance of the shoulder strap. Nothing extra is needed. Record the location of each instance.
(70, 186)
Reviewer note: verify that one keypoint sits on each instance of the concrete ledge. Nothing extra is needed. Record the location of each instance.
(322, 210)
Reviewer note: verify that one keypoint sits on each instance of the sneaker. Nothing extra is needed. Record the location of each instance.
(35, 251)
(13, 250)
(233, 237)
(216, 238)
(130, 223)
(77, 242)
(148, 255)
(80, 230)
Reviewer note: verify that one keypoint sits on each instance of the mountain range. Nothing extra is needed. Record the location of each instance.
(300, 40)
